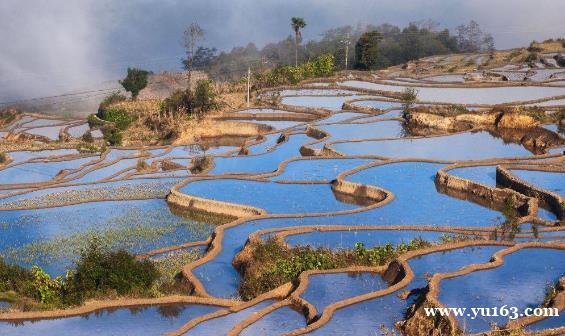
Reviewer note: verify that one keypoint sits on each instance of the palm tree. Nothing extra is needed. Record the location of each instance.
(297, 23)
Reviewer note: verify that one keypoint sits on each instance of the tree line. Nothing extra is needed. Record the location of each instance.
(372, 47)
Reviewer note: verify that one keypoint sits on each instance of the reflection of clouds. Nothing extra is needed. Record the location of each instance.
(463, 146)
(491, 96)
(549, 181)
(382, 129)
(293, 198)
(520, 282)
(413, 183)
(322, 169)
(146, 320)
(324, 289)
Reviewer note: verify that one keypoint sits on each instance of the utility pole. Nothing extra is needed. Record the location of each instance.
(248, 84)
(347, 42)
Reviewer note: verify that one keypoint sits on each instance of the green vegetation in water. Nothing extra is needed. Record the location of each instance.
(272, 264)
(169, 268)
(124, 232)
(509, 226)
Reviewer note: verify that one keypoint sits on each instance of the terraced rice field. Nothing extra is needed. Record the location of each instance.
(327, 178)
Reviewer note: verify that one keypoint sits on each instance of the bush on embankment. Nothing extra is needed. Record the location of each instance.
(272, 264)
(99, 273)
(322, 66)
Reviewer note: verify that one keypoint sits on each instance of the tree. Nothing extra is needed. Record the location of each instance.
(205, 95)
(192, 35)
(472, 39)
(297, 23)
(367, 50)
(135, 81)
(203, 58)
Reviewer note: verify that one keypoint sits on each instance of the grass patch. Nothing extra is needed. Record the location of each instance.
(272, 264)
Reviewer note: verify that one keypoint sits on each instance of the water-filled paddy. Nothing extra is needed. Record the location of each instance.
(21, 156)
(339, 117)
(378, 104)
(261, 163)
(446, 78)
(482, 174)
(78, 131)
(328, 102)
(282, 320)
(496, 95)
(151, 320)
(413, 183)
(325, 289)
(381, 129)
(222, 325)
(51, 132)
(462, 146)
(52, 238)
(554, 182)
(295, 198)
(373, 315)
(316, 92)
(36, 172)
(318, 169)
(520, 282)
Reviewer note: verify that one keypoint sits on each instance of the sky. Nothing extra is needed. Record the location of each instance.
(55, 46)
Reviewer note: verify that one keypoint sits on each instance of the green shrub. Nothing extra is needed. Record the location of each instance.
(99, 270)
(272, 264)
(112, 136)
(408, 98)
(322, 66)
(3, 157)
(15, 278)
(118, 116)
(179, 101)
(94, 121)
(205, 96)
(48, 291)
(532, 57)
(135, 81)
(114, 98)
(87, 137)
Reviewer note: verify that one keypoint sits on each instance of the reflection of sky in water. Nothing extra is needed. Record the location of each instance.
(152, 320)
(497, 95)
(413, 184)
(280, 321)
(127, 224)
(546, 180)
(367, 317)
(464, 146)
(294, 198)
(222, 325)
(520, 282)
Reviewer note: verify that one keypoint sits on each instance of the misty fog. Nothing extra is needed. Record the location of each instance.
(50, 47)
